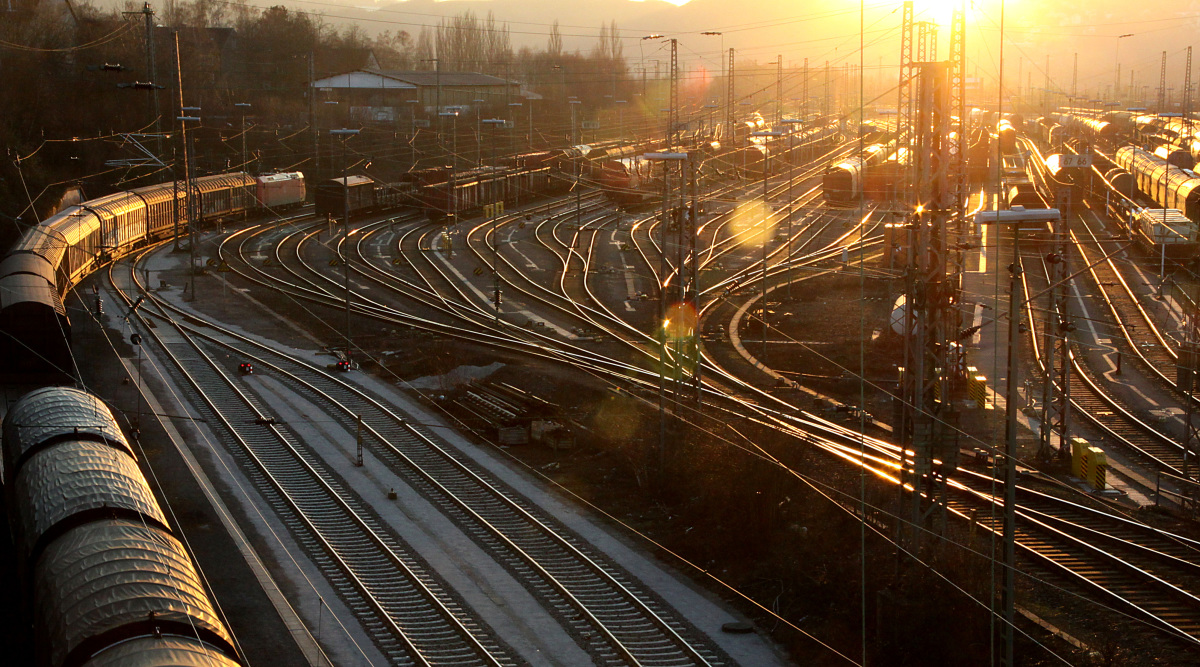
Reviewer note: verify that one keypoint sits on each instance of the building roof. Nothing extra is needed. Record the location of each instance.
(366, 78)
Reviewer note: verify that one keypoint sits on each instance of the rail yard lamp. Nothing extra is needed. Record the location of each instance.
(243, 107)
(479, 130)
(454, 133)
(791, 123)
(1012, 219)
(765, 218)
(664, 324)
(493, 122)
(574, 132)
(345, 134)
(189, 117)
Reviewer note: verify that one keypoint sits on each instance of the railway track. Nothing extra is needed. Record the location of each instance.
(410, 613)
(1133, 561)
(1112, 416)
(617, 619)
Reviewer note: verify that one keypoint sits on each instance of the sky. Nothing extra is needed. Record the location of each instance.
(1100, 31)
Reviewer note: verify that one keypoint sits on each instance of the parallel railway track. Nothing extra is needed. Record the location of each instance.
(618, 620)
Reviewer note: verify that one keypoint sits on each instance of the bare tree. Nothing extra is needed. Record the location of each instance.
(554, 44)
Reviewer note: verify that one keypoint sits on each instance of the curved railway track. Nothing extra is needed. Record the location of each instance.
(617, 619)
(1136, 566)
(409, 612)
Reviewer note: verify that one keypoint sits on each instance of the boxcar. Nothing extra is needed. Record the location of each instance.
(122, 218)
(331, 196)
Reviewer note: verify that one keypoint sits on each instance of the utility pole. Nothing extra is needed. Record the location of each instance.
(1056, 337)
(904, 101)
(151, 70)
(694, 289)
(1162, 85)
(928, 423)
(779, 90)
(189, 196)
(1075, 77)
(673, 114)
(243, 106)
(1187, 90)
(312, 113)
(345, 134)
(804, 93)
(826, 92)
(730, 100)
(491, 210)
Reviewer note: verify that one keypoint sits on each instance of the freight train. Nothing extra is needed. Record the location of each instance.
(1164, 184)
(105, 580)
(844, 182)
(51, 258)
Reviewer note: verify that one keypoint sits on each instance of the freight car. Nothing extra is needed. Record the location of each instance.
(843, 182)
(1165, 185)
(106, 580)
(1024, 195)
(1006, 134)
(886, 180)
(345, 196)
(1165, 232)
(34, 330)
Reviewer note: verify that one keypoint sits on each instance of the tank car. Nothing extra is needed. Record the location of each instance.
(1006, 134)
(843, 182)
(1165, 185)
(107, 581)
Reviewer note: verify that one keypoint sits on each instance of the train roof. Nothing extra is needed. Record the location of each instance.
(349, 181)
(116, 204)
(28, 288)
(94, 580)
(74, 224)
(70, 477)
(23, 289)
(44, 239)
(281, 176)
(158, 651)
(153, 194)
(27, 263)
(223, 181)
(52, 412)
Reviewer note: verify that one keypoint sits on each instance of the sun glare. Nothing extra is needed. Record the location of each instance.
(939, 11)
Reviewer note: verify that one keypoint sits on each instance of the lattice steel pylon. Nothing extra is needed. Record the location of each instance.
(730, 101)
(904, 103)
(1162, 85)
(930, 439)
(959, 190)
(779, 90)
(926, 41)
(804, 91)
(1189, 366)
(673, 113)
(1056, 344)
(1187, 90)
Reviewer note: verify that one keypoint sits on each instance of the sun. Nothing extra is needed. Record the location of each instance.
(938, 11)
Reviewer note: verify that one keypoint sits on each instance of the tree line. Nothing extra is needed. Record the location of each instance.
(78, 77)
